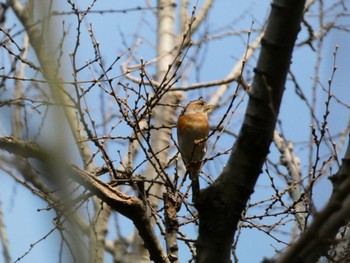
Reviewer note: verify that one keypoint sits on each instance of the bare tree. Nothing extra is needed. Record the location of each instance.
(91, 132)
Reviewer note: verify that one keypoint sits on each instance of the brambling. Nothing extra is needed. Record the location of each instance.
(192, 133)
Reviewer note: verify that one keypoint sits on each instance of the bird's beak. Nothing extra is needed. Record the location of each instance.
(209, 108)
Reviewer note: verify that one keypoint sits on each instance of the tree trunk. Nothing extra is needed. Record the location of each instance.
(220, 205)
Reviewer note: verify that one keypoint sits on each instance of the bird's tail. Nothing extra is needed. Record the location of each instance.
(194, 176)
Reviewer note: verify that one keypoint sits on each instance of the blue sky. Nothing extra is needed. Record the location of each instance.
(25, 225)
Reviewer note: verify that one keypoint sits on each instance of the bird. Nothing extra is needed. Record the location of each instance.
(192, 135)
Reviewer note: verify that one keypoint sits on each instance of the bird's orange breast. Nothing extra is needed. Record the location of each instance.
(194, 122)
(192, 128)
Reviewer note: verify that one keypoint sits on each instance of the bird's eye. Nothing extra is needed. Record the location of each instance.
(202, 103)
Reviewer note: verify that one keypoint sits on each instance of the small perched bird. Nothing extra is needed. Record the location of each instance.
(192, 133)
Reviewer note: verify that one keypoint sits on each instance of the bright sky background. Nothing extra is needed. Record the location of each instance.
(25, 226)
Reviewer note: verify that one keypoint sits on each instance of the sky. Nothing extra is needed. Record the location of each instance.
(116, 32)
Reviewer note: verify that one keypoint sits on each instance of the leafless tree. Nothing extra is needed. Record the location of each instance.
(91, 132)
